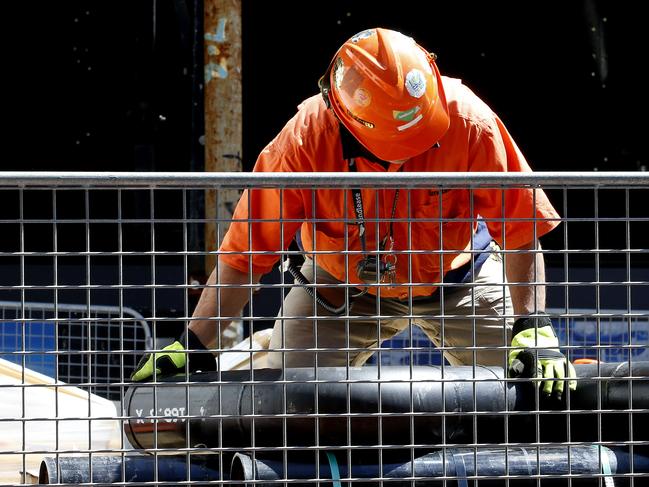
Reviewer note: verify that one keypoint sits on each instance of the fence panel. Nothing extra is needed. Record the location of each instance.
(77, 344)
(388, 358)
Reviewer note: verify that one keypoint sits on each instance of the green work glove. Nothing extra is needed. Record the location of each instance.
(174, 358)
(537, 355)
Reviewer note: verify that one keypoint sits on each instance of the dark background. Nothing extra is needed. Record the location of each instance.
(117, 85)
(92, 85)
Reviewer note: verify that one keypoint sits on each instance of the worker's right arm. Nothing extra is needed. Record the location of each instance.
(216, 302)
(205, 327)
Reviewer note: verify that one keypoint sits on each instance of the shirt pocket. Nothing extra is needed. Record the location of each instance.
(328, 215)
(436, 206)
(437, 223)
(334, 235)
(431, 216)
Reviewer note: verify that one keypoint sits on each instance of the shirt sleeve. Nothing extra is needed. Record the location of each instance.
(514, 216)
(265, 220)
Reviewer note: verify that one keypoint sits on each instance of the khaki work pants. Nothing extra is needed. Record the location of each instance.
(468, 325)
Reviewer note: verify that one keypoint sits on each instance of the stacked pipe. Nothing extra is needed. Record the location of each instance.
(371, 405)
(434, 411)
(108, 469)
(493, 467)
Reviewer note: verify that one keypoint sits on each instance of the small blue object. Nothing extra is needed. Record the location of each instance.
(606, 466)
(333, 465)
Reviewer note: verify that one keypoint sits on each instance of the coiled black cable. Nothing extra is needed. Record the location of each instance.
(292, 268)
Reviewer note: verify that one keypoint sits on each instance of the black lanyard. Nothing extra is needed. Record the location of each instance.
(360, 221)
(360, 213)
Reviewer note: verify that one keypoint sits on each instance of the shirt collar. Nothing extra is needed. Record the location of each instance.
(352, 148)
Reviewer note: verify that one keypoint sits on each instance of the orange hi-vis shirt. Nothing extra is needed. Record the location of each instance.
(477, 141)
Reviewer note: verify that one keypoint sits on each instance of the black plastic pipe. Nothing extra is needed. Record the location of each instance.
(267, 407)
(130, 468)
(587, 465)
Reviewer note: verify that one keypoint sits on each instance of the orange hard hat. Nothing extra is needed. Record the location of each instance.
(386, 90)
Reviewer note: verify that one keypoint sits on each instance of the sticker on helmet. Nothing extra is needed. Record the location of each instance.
(413, 122)
(406, 115)
(363, 35)
(339, 71)
(367, 124)
(362, 97)
(416, 83)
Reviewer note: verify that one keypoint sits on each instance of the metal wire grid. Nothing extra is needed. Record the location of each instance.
(77, 344)
(633, 347)
(612, 338)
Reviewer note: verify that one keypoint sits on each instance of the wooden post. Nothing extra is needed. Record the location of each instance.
(223, 113)
(223, 125)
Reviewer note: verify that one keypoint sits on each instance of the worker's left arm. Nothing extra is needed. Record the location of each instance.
(525, 270)
(535, 346)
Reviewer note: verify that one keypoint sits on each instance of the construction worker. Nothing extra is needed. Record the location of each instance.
(384, 107)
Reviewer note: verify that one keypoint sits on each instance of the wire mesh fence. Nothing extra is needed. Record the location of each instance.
(376, 346)
(56, 335)
(612, 337)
